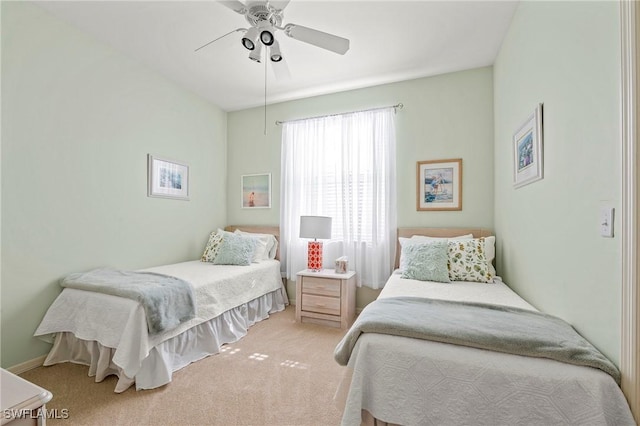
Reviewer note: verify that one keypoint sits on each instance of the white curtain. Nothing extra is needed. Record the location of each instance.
(342, 166)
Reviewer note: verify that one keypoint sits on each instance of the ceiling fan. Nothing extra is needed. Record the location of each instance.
(264, 18)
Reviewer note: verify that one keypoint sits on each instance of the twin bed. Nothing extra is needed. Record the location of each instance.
(394, 379)
(110, 334)
(391, 379)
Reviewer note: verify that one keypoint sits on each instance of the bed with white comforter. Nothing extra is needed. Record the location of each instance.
(408, 381)
(110, 334)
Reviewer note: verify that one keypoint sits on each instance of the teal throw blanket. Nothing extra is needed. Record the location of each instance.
(167, 301)
(497, 328)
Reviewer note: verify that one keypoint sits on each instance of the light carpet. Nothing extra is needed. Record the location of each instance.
(280, 373)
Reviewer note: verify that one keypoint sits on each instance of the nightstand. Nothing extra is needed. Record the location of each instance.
(23, 403)
(326, 298)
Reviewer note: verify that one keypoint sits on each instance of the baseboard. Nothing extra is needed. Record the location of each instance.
(27, 365)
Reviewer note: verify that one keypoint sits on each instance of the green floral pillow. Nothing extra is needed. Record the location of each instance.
(468, 261)
(426, 262)
(212, 247)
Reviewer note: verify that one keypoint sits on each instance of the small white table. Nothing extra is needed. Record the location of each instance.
(23, 403)
(326, 298)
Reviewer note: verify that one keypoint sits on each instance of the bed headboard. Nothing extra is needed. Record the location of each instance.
(438, 232)
(258, 229)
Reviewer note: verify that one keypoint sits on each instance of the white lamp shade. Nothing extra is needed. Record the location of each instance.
(315, 227)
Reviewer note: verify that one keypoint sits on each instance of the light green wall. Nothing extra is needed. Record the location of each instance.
(565, 55)
(447, 116)
(78, 120)
(0, 193)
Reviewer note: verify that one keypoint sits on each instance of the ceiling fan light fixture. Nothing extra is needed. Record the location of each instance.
(274, 51)
(249, 39)
(267, 38)
(248, 44)
(256, 53)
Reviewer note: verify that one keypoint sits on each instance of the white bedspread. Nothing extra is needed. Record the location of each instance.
(497, 293)
(417, 382)
(120, 323)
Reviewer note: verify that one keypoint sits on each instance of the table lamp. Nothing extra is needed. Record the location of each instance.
(315, 227)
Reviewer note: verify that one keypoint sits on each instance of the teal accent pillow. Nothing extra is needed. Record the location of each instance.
(235, 249)
(426, 262)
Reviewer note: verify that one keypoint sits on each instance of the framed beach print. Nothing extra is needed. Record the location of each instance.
(527, 150)
(439, 185)
(256, 191)
(167, 178)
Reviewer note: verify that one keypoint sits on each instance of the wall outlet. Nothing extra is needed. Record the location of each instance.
(606, 222)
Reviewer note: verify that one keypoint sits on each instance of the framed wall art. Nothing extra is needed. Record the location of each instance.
(439, 185)
(527, 150)
(256, 191)
(167, 178)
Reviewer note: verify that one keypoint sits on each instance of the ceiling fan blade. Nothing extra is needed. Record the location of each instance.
(281, 70)
(220, 38)
(317, 38)
(235, 5)
(279, 4)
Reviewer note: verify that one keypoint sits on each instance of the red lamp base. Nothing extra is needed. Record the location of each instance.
(314, 256)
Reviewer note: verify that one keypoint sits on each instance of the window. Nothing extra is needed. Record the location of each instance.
(344, 167)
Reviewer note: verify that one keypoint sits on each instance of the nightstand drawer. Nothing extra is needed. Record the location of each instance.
(321, 286)
(322, 304)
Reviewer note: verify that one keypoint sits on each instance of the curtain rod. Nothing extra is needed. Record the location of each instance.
(396, 106)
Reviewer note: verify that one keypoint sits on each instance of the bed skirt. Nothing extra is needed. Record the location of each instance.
(171, 355)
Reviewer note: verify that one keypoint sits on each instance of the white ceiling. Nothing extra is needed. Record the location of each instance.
(390, 41)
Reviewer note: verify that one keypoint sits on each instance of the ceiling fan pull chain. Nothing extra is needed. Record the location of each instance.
(265, 91)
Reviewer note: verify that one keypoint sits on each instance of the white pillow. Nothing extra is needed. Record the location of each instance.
(266, 247)
(421, 239)
(490, 252)
(426, 238)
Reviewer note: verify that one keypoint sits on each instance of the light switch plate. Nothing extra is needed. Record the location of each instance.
(606, 222)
